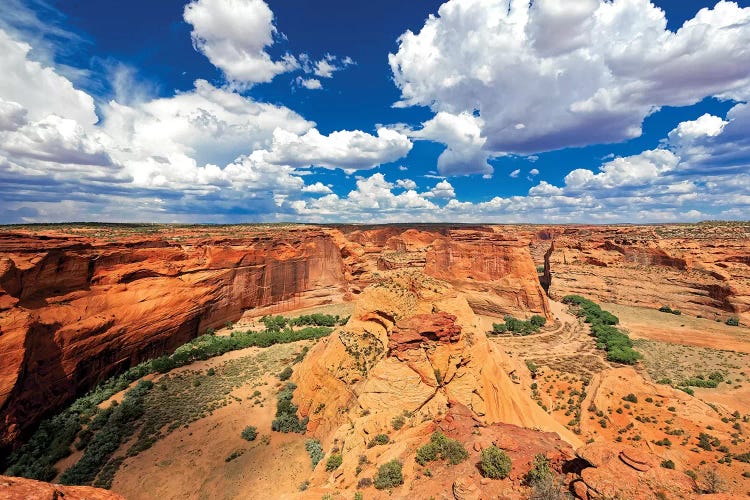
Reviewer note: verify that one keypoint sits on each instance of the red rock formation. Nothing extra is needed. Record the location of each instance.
(76, 309)
(17, 488)
(411, 333)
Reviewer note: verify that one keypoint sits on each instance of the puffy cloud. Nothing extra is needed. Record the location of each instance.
(317, 188)
(442, 189)
(325, 67)
(406, 184)
(572, 73)
(308, 83)
(462, 133)
(207, 124)
(355, 150)
(515, 173)
(234, 35)
(534, 172)
(39, 89)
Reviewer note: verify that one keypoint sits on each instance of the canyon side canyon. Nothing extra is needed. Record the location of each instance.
(80, 303)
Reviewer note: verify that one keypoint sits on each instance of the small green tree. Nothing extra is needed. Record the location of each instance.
(389, 475)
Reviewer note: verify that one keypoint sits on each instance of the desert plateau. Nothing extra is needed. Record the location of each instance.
(391, 361)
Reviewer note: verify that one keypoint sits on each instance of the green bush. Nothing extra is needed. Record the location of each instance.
(494, 463)
(249, 433)
(667, 464)
(631, 398)
(334, 462)
(441, 447)
(286, 373)
(389, 475)
(286, 412)
(315, 450)
(398, 422)
(380, 439)
(519, 326)
(733, 321)
(665, 309)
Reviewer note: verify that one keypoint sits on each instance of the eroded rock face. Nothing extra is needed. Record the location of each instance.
(700, 271)
(74, 310)
(17, 488)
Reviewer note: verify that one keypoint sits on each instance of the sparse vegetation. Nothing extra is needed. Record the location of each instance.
(494, 463)
(540, 470)
(733, 321)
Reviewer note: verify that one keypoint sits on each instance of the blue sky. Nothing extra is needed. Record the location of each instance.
(474, 110)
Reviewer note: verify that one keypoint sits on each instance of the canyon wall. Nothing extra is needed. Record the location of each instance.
(76, 309)
(698, 270)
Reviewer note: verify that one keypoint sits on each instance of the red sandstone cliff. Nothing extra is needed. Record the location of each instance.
(74, 310)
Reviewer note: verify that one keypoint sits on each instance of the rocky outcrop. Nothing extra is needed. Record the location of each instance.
(415, 332)
(17, 488)
(76, 309)
(412, 350)
(625, 472)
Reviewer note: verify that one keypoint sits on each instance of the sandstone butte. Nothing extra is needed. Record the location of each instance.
(79, 304)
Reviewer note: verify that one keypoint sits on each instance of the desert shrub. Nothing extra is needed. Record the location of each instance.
(494, 463)
(712, 481)
(687, 390)
(315, 450)
(533, 368)
(286, 412)
(733, 321)
(364, 482)
(539, 471)
(441, 447)
(380, 439)
(667, 464)
(744, 457)
(663, 442)
(334, 462)
(233, 455)
(665, 309)
(286, 373)
(700, 382)
(389, 475)
(631, 398)
(398, 422)
(249, 433)
(211, 372)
